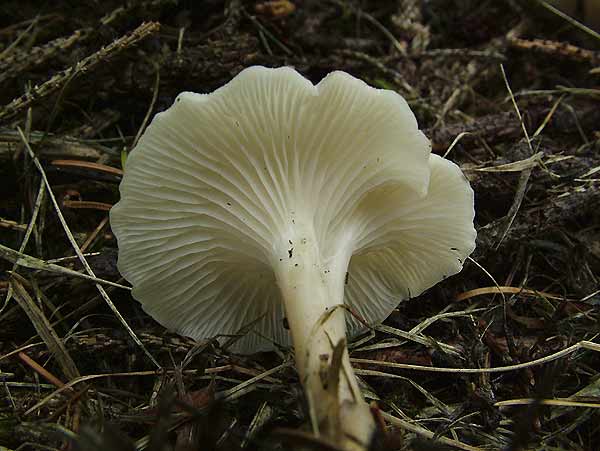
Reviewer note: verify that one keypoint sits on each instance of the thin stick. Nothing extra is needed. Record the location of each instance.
(41, 370)
(44, 328)
(84, 66)
(12, 225)
(240, 389)
(27, 261)
(561, 402)
(11, 66)
(150, 108)
(455, 142)
(226, 395)
(36, 209)
(569, 19)
(511, 290)
(94, 234)
(589, 345)
(21, 36)
(426, 433)
(77, 250)
(524, 179)
(87, 204)
(88, 165)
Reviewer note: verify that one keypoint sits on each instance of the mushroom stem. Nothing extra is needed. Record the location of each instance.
(313, 291)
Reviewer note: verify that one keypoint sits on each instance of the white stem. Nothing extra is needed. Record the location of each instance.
(313, 292)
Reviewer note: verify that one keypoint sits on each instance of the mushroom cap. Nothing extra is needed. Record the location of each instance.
(217, 181)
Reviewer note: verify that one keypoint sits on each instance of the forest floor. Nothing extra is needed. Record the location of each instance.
(507, 89)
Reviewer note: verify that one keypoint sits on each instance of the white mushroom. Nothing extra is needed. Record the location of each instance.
(272, 198)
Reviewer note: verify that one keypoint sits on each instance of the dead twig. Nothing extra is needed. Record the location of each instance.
(588, 345)
(21, 61)
(87, 204)
(43, 327)
(507, 290)
(27, 261)
(88, 165)
(55, 83)
(30, 228)
(419, 430)
(41, 370)
(77, 250)
(54, 148)
(92, 236)
(8, 224)
(556, 49)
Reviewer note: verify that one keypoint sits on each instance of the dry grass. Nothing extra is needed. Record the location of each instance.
(503, 356)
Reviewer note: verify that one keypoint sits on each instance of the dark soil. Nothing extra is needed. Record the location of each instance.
(80, 79)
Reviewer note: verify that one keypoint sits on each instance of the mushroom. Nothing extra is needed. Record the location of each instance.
(273, 198)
